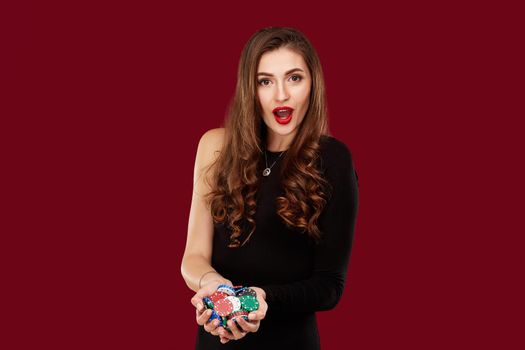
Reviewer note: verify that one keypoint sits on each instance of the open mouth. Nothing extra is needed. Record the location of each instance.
(283, 115)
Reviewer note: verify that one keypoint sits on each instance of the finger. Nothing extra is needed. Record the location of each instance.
(256, 315)
(224, 340)
(237, 334)
(248, 326)
(204, 317)
(223, 333)
(198, 313)
(237, 325)
(197, 302)
(211, 326)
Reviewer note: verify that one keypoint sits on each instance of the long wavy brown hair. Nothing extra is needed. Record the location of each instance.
(237, 169)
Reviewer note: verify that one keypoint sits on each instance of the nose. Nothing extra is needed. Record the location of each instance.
(281, 93)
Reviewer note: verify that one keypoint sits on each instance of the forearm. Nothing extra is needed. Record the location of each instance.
(324, 288)
(321, 292)
(195, 269)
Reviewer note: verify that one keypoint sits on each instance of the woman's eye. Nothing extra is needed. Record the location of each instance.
(298, 78)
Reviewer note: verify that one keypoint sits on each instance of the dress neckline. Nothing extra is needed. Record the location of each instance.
(279, 152)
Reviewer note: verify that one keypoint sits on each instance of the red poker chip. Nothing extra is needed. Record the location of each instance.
(216, 296)
(223, 307)
(242, 313)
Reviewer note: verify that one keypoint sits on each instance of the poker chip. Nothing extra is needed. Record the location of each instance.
(235, 302)
(226, 289)
(238, 289)
(224, 307)
(208, 304)
(235, 317)
(249, 303)
(231, 303)
(246, 291)
(217, 295)
(239, 314)
(214, 316)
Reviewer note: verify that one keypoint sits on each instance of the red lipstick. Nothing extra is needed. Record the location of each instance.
(283, 115)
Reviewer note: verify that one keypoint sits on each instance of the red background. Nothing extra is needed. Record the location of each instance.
(103, 106)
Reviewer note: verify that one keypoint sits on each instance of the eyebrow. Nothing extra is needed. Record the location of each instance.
(290, 71)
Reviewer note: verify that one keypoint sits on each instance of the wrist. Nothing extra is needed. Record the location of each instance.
(217, 281)
(213, 277)
(207, 277)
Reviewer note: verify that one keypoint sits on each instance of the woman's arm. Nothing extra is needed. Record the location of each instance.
(324, 288)
(196, 262)
(196, 267)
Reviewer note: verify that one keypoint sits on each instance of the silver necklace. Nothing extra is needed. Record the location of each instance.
(267, 171)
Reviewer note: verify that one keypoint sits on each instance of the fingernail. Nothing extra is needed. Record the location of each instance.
(251, 316)
(199, 306)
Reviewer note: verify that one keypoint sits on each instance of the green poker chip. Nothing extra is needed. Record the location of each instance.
(249, 303)
(208, 303)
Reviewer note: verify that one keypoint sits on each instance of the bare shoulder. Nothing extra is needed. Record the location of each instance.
(210, 145)
(213, 139)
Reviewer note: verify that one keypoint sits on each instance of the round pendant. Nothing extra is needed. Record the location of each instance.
(266, 172)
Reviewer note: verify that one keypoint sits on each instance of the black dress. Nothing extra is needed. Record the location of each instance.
(299, 277)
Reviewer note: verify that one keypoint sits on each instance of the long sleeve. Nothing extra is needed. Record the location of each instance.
(324, 288)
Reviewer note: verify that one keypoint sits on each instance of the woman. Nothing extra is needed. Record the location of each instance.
(275, 201)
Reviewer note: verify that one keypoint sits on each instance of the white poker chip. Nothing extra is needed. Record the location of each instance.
(236, 302)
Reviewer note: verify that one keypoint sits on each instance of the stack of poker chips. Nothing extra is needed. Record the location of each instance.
(231, 303)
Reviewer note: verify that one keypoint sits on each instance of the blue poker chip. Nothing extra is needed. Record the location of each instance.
(226, 289)
(239, 289)
(208, 304)
(214, 316)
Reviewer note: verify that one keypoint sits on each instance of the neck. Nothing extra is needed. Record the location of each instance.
(278, 143)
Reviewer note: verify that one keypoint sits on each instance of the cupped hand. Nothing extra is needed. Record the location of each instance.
(252, 325)
(202, 315)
